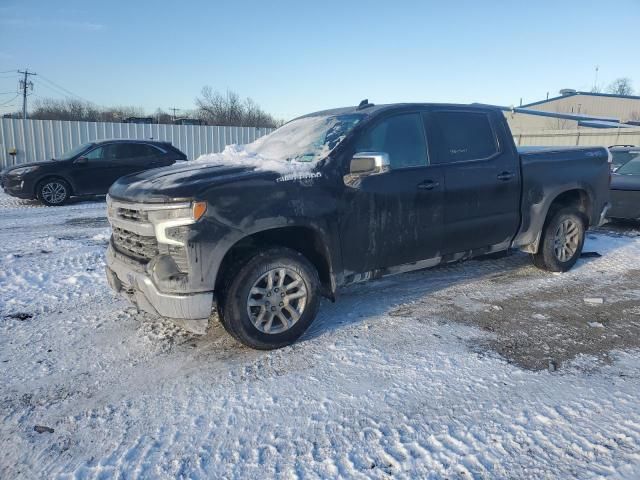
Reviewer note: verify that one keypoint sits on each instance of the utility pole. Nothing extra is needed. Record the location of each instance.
(24, 86)
(174, 110)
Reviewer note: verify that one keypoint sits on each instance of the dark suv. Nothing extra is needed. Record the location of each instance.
(88, 169)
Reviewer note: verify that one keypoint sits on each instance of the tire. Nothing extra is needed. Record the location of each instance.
(246, 302)
(53, 192)
(562, 241)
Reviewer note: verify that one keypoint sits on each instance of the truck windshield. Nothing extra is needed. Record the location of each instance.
(68, 155)
(307, 139)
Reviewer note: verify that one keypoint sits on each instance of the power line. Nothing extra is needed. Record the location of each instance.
(68, 92)
(6, 103)
(10, 71)
(51, 88)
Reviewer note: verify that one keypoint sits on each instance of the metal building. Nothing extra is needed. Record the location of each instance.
(623, 108)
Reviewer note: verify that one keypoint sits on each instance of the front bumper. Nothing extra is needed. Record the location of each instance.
(16, 187)
(130, 279)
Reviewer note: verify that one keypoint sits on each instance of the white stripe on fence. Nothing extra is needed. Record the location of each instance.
(37, 140)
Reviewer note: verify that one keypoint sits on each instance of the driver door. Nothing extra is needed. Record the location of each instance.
(393, 218)
(95, 171)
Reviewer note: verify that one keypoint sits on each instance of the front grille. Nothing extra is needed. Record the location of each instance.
(134, 245)
(131, 214)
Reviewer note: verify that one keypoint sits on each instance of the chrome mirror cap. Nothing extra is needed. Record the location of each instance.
(364, 164)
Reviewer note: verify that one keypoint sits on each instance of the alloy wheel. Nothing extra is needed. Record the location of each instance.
(54, 192)
(566, 240)
(277, 300)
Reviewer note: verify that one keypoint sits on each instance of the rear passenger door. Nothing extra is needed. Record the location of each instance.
(481, 176)
(136, 157)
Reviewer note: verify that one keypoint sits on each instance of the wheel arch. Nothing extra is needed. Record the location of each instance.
(52, 176)
(575, 196)
(578, 197)
(308, 240)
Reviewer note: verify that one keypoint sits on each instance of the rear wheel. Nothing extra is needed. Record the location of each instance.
(271, 299)
(562, 241)
(53, 192)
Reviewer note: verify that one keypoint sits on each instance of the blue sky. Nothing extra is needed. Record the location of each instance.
(294, 57)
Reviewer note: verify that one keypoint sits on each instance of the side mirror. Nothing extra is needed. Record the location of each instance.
(81, 161)
(365, 164)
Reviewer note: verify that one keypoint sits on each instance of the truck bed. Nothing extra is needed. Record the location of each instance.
(548, 171)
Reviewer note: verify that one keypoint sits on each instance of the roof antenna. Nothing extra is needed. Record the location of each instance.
(364, 104)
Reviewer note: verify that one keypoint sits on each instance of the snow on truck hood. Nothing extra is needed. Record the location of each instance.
(296, 147)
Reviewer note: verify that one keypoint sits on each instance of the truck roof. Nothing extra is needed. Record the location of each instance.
(370, 109)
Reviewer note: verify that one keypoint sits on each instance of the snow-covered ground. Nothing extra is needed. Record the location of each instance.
(486, 369)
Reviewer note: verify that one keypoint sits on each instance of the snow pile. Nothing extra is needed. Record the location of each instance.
(294, 147)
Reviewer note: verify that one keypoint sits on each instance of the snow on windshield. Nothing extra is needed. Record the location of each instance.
(296, 146)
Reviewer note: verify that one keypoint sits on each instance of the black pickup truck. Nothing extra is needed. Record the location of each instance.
(260, 233)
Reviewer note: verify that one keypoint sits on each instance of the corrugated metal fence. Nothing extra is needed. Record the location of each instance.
(37, 140)
(591, 136)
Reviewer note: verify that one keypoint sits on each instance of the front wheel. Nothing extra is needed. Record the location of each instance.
(562, 241)
(53, 192)
(271, 299)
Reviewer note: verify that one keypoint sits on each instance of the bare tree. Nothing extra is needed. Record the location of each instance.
(212, 107)
(230, 110)
(77, 110)
(621, 86)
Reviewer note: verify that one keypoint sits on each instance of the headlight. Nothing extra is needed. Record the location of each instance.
(23, 170)
(167, 219)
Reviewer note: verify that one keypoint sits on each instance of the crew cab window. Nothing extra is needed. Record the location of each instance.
(460, 136)
(401, 137)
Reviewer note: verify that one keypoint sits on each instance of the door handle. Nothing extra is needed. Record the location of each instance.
(506, 176)
(428, 185)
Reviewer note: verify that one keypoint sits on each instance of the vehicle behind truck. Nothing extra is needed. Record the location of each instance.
(258, 234)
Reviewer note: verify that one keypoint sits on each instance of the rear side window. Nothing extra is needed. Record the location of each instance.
(401, 137)
(143, 150)
(461, 136)
(134, 150)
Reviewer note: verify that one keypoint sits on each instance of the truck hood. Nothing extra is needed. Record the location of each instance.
(180, 182)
